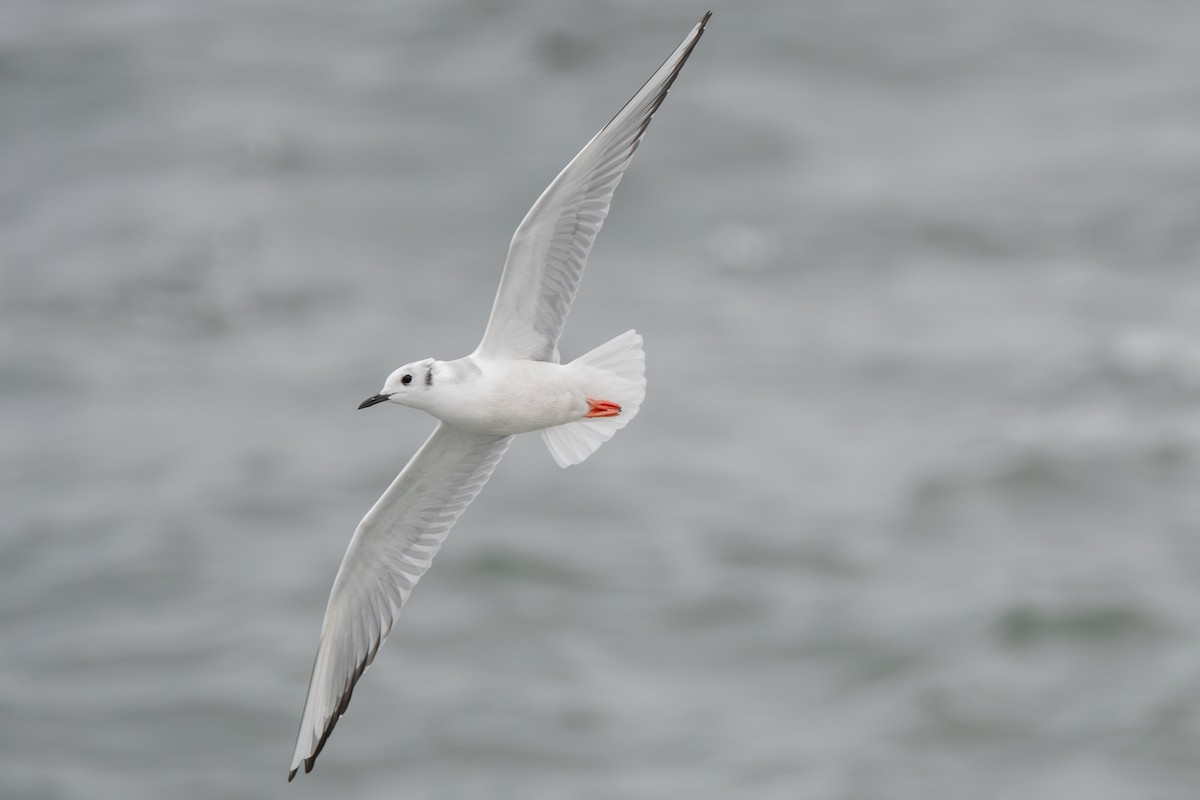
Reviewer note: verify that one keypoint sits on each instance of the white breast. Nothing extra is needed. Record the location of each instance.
(502, 397)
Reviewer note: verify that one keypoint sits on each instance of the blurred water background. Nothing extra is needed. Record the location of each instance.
(910, 511)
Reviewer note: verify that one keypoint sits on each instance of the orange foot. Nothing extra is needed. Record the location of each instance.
(602, 408)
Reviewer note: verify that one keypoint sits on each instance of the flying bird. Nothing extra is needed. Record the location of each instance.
(513, 383)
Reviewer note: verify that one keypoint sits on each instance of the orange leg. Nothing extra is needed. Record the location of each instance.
(601, 408)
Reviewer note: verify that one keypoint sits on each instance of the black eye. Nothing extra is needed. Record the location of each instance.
(406, 380)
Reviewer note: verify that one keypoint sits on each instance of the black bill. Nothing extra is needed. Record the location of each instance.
(372, 401)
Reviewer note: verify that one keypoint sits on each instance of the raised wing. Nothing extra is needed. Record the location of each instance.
(391, 549)
(550, 248)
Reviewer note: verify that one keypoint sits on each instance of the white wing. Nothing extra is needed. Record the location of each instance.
(550, 248)
(391, 549)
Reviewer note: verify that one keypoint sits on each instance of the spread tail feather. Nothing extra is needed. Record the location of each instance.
(616, 373)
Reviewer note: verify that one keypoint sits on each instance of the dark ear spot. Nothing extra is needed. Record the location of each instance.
(429, 377)
(406, 380)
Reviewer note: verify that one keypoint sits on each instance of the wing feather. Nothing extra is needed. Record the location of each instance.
(392, 547)
(551, 245)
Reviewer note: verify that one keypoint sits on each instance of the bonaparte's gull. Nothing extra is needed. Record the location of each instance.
(513, 383)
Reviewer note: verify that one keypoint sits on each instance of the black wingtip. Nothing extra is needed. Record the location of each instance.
(308, 765)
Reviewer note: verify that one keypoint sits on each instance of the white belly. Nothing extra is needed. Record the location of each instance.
(509, 397)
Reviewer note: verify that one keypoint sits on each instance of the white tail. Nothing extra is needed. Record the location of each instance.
(615, 371)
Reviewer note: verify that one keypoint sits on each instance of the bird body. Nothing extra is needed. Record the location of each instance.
(505, 396)
(501, 397)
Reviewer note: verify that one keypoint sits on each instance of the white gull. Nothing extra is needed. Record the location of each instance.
(513, 383)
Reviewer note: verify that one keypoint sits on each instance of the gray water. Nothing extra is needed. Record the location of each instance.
(911, 508)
